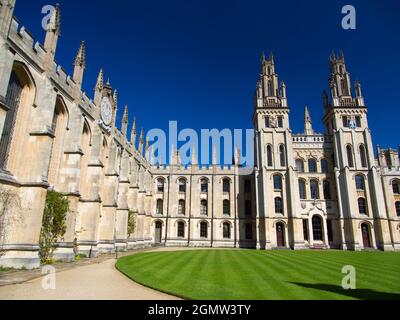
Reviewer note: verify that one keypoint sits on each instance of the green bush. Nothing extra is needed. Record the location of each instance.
(53, 225)
(131, 223)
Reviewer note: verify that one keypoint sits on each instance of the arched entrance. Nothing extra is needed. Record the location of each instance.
(158, 233)
(317, 228)
(280, 235)
(366, 235)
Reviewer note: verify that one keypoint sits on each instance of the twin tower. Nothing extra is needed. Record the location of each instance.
(321, 190)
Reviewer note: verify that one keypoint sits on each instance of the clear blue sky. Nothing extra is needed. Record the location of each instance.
(197, 62)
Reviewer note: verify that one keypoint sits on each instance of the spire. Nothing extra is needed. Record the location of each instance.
(53, 30)
(214, 156)
(141, 141)
(263, 58)
(115, 97)
(98, 90)
(54, 24)
(308, 129)
(271, 58)
(194, 158)
(100, 80)
(124, 127)
(80, 59)
(79, 68)
(237, 157)
(147, 149)
(172, 159)
(133, 132)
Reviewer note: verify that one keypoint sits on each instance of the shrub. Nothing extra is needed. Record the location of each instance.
(53, 225)
(131, 223)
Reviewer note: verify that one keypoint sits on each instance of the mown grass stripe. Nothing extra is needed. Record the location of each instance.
(247, 274)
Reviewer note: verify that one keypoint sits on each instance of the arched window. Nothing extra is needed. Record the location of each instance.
(227, 207)
(363, 156)
(203, 207)
(327, 190)
(160, 206)
(362, 206)
(398, 208)
(181, 229)
(203, 230)
(226, 186)
(324, 166)
(269, 156)
(396, 187)
(350, 160)
(302, 189)
(314, 187)
(270, 89)
(182, 185)
(360, 183)
(278, 205)
(312, 165)
(13, 99)
(317, 228)
(204, 185)
(300, 165)
(282, 155)
(278, 182)
(227, 230)
(181, 207)
(160, 185)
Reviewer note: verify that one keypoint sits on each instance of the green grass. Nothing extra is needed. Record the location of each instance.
(265, 275)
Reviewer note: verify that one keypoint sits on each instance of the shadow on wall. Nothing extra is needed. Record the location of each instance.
(361, 294)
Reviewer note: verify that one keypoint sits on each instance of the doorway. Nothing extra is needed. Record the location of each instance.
(366, 236)
(280, 235)
(158, 233)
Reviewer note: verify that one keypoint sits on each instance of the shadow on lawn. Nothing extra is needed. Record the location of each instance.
(362, 294)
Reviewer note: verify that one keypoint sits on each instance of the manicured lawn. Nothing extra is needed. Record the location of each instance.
(265, 275)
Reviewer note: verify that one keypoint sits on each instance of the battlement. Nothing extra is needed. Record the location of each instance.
(25, 42)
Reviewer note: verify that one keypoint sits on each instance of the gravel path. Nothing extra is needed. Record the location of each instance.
(92, 282)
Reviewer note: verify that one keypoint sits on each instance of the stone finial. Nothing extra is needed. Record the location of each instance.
(141, 141)
(80, 59)
(237, 157)
(100, 81)
(214, 156)
(308, 129)
(54, 24)
(124, 127)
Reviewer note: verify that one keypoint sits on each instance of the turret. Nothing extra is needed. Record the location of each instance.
(124, 127)
(53, 32)
(141, 142)
(79, 67)
(98, 90)
(6, 15)
(134, 133)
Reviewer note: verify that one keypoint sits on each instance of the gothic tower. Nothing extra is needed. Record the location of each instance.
(360, 193)
(277, 220)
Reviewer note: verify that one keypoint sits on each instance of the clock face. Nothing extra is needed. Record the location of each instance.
(106, 111)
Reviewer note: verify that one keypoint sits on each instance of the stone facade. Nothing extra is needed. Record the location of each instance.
(306, 190)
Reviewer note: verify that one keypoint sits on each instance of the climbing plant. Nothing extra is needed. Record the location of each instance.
(53, 225)
(131, 223)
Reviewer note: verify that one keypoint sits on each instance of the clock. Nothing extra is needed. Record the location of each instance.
(106, 111)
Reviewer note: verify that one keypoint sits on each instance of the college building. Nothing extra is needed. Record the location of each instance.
(306, 191)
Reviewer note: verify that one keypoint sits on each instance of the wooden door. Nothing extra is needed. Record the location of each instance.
(280, 235)
(158, 233)
(366, 236)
